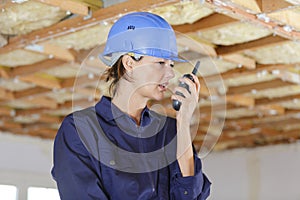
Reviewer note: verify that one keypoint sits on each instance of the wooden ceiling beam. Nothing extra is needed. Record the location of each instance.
(267, 6)
(243, 71)
(263, 101)
(46, 133)
(195, 46)
(46, 118)
(79, 81)
(278, 124)
(11, 125)
(257, 86)
(249, 4)
(18, 129)
(68, 5)
(42, 80)
(6, 94)
(43, 102)
(271, 109)
(79, 23)
(212, 21)
(10, 72)
(255, 121)
(6, 4)
(241, 60)
(31, 91)
(289, 76)
(240, 100)
(252, 45)
(240, 13)
(78, 103)
(288, 16)
(6, 111)
(217, 107)
(52, 50)
(28, 111)
(263, 6)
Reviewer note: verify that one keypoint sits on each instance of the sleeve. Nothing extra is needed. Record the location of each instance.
(195, 187)
(74, 169)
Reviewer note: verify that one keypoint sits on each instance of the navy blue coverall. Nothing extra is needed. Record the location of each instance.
(81, 175)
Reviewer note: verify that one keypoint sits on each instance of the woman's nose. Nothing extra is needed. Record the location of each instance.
(170, 71)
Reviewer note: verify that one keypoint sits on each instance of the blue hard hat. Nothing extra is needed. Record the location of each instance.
(140, 33)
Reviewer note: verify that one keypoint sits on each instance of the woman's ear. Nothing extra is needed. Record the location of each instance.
(127, 62)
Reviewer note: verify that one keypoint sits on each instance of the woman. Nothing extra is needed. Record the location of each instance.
(119, 149)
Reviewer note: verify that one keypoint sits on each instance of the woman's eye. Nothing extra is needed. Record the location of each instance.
(164, 63)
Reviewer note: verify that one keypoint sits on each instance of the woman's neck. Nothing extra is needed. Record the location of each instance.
(130, 103)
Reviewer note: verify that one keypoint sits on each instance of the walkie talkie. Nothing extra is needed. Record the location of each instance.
(176, 103)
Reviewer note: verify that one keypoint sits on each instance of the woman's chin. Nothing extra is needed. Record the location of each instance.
(159, 96)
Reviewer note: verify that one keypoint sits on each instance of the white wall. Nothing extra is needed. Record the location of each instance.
(264, 173)
(25, 161)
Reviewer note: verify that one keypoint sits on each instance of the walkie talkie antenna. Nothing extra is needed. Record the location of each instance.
(196, 68)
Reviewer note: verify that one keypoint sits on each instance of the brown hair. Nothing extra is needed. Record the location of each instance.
(115, 73)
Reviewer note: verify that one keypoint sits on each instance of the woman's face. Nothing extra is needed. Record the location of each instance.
(151, 77)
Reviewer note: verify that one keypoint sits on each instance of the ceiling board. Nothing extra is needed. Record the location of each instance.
(254, 79)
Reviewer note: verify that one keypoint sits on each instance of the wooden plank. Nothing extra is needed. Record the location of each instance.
(238, 48)
(287, 16)
(240, 100)
(84, 103)
(4, 71)
(243, 71)
(267, 6)
(257, 86)
(6, 94)
(241, 60)
(280, 124)
(263, 101)
(237, 12)
(212, 21)
(94, 4)
(42, 80)
(6, 4)
(256, 121)
(249, 4)
(217, 107)
(43, 102)
(94, 92)
(53, 50)
(46, 118)
(6, 111)
(29, 111)
(43, 132)
(11, 125)
(10, 72)
(78, 81)
(195, 46)
(289, 76)
(271, 109)
(78, 23)
(30, 91)
(68, 5)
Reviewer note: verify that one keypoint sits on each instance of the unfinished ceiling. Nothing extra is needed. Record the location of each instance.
(249, 52)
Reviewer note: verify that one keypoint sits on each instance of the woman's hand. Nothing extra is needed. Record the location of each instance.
(184, 116)
(190, 101)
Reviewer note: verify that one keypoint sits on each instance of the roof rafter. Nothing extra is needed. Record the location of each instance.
(258, 86)
(238, 48)
(78, 23)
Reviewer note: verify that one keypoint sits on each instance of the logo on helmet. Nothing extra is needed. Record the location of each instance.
(131, 27)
